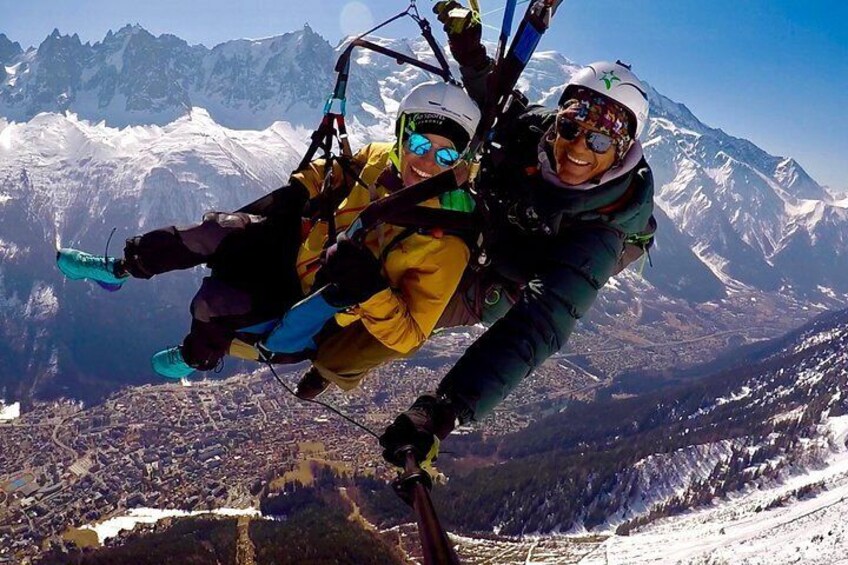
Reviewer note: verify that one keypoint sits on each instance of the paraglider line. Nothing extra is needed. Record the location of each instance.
(318, 402)
(108, 241)
(501, 9)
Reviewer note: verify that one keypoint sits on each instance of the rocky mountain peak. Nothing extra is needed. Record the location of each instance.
(127, 30)
(664, 107)
(8, 49)
(133, 77)
(56, 42)
(795, 180)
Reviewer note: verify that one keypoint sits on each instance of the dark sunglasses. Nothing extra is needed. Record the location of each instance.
(420, 145)
(596, 141)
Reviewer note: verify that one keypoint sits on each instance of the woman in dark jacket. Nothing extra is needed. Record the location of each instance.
(568, 199)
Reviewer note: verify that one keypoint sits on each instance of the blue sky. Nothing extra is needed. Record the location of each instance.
(772, 71)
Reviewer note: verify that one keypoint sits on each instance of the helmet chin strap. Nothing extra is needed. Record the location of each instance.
(396, 154)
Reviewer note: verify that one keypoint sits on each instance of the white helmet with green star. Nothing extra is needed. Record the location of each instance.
(617, 82)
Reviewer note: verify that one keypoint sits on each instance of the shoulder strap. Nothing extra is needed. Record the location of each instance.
(464, 224)
(326, 202)
(402, 200)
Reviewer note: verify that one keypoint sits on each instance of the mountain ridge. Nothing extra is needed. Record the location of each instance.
(729, 227)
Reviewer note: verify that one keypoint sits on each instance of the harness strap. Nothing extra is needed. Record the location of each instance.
(394, 242)
(328, 210)
(464, 224)
(324, 206)
(404, 199)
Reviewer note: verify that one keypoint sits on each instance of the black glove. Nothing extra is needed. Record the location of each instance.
(464, 30)
(353, 273)
(426, 420)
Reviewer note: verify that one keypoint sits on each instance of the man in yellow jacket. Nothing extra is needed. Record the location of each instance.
(266, 257)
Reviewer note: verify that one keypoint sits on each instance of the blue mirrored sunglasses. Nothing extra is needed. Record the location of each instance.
(420, 145)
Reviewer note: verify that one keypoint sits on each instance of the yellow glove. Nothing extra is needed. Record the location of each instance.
(455, 17)
(465, 31)
(426, 464)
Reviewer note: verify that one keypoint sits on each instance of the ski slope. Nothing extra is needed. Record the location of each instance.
(113, 526)
(9, 412)
(740, 532)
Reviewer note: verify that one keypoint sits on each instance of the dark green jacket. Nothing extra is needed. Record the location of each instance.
(558, 246)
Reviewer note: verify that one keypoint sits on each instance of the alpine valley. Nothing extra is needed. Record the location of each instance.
(689, 412)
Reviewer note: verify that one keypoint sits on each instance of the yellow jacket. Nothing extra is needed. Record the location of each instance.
(423, 270)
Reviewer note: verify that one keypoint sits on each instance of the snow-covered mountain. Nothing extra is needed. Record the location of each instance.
(138, 131)
(69, 182)
(756, 218)
(782, 499)
(132, 77)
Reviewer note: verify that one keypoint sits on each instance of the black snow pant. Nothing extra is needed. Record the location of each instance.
(253, 278)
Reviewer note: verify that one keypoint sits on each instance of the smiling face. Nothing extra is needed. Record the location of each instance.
(415, 168)
(576, 163)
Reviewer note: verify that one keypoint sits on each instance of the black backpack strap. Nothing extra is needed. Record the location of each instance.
(395, 241)
(327, 202)
(405, 199)
(282, 201)
(464, 224)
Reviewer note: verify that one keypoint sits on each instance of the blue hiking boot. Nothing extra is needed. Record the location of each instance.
(170, 363)
(76, 264)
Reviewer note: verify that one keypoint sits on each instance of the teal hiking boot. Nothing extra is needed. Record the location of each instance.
(170, 364)
(76, 264)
